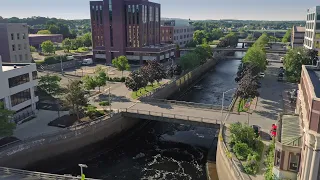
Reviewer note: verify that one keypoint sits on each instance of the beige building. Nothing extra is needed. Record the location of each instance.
(297, 154)
(14, 42)
(297, 36)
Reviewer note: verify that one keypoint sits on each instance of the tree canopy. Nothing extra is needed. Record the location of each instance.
(6, 127)
(75, 96)
(293, 62)
(50, 84)
(256, 56)
(121, 63)
(44, 32)
(287, 37)
(67, 44)
(47, 47)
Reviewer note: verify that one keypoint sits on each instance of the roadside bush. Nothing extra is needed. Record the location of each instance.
(242, 150)
(55, 59)
(83, 49)
(123, 79)
(104, 103)
(33, 49)
(251, 166)
(268, 175)
(92, 112)
(117, 79)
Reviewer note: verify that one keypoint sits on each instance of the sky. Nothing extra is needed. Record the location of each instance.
(185, 9)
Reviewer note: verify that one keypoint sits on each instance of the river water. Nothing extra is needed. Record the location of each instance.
(157, 150)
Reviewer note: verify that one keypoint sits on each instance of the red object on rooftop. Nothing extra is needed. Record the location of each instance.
(273, 131)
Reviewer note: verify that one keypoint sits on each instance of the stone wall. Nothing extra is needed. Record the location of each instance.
(184, 82)
(48, 148)
(57, 67)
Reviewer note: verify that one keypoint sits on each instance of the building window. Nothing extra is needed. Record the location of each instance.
(18, 36)
(293, 162)
(13, 47)
(20, 97)
(157, 14)
(24, 36)
(34, 75)
(278, 158)
(110, 10)
(150, 13)
(12, 36)
(25, 46)
(18, 80)
(19, 46)
(20, 57)
(26, 57)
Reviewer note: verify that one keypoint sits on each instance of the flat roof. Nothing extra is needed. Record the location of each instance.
(299, 29)
(314, 75)
(41, 35)
(8, 68)
(290, 130)
(11, 66)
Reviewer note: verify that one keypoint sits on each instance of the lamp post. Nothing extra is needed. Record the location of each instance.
(223, 101)
(81, 167)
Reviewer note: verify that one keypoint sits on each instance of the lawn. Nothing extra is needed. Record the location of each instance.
(145, 90)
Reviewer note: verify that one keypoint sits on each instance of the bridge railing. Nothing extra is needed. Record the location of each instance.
(40, 175)
(52, 137)
(169, 115)
(185, 103)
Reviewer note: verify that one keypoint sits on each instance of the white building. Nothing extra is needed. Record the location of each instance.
(312, 31)
(18, 88)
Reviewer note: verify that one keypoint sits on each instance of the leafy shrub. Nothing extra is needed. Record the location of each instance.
(242, 133)
(55, 59)
(258, 147)
(251, 166)
(268, 175)
(83, 49)
(92, 112)
(104, 103)
(33, 49)
(123, 79)
(242, 150)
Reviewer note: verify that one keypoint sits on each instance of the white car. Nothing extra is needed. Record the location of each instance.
(88, 61)
(261, 75)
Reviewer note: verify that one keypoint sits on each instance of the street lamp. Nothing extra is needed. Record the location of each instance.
(223, 101)
(81, 167)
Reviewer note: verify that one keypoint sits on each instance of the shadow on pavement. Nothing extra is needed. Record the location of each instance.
(114, 98)
(164, 106)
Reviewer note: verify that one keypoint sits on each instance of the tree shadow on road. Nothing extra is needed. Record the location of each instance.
(161, 105)
(114, 98)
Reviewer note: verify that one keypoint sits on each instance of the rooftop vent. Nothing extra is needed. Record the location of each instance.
(15, 66)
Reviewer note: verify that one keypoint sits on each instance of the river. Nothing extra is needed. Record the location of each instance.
(158, 150)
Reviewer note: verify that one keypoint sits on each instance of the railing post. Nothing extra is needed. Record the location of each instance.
(149, 113)
(162, 114)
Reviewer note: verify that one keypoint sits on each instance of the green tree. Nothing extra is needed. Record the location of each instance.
(286, 38)
(50, 84)
(87, 39)
(198, 36)
(232, 39)
(135, 81)
(78, 42)
(190, 60)
(248, 87)
(204, 52)
(47, 47)
(6, 127)
(54, 29)
(33, 49)
(121, 63)
(192, 43)
(44, 32)
(250, 37)
(75, 97)
(67, 44)
(89, 82)
(216, 34)
(293, 62)
(256, 56)
(262, 41)
(99, 69)
(101, 79)
(242, 133)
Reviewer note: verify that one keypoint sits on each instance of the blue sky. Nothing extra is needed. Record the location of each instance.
(194, 9)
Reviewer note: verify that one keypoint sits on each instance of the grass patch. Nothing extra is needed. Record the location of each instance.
(145, 90)
(104, 103)
(39, 62)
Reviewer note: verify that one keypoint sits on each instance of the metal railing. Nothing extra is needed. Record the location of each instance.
(185, 103)
(169, 115)
(40, 175)
(48, 138)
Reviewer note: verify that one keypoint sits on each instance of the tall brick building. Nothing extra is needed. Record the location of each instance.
(127, 27)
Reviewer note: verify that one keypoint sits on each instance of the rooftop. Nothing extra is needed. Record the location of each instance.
(11, 66)
(41, 35)
(290, 131)
(314, 75)
(299, 29)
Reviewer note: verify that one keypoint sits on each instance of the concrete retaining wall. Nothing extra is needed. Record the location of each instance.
(184, 82)
(117, 124)
(57, 67)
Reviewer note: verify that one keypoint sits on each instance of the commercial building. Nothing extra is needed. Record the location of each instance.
(312, 34)
(297, 154)
(180, 35)
(37, 39)
(127, 27)
(297, 36)
(18, 90)
(14, 42)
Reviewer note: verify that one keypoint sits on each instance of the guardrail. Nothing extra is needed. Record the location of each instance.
(169, 115)
(189, 104)
(51, 137)
(40, 175)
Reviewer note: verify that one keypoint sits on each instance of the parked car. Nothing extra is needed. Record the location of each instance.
(256, 129)
(88, 61)
(261, 75)
(273, 131)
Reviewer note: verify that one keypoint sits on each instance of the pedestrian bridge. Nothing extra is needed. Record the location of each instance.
(238, 49)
